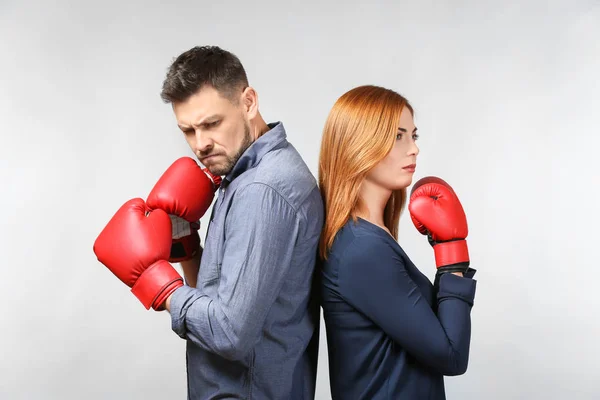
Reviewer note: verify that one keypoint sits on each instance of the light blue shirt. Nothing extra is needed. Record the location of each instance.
(252, 323)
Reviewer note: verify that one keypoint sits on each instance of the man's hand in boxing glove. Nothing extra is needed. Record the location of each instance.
(185, 191)
(134, 246)
(437, 212)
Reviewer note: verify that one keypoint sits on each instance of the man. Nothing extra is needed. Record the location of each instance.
(247, 310)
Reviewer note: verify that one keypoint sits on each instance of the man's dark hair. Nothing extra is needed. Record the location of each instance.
(200, 66)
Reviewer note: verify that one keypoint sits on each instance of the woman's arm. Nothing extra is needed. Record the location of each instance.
(373, 278)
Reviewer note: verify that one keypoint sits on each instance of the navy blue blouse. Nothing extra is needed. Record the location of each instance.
(389, 334)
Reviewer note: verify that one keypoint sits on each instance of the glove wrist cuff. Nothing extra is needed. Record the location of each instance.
(452, 252)
(156, 283)
(159, 303)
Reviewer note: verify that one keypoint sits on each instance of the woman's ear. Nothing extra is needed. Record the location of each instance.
(250, 102)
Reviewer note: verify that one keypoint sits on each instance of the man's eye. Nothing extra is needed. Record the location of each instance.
(415, 136)
(213, 124)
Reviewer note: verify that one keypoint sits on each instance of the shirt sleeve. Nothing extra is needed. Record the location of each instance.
(374, 280)
(260, 234)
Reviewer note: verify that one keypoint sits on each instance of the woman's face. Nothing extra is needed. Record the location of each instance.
(396, 170)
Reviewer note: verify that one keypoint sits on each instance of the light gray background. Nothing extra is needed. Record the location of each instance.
(506, 96)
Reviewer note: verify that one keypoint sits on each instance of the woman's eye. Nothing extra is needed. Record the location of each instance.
(415, 136)
(398, 136)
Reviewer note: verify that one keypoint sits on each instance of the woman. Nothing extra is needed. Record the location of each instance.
(390, 333)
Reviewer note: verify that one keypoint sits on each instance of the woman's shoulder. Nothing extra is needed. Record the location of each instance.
(360, 238)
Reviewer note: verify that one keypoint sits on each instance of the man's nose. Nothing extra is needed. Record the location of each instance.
(203, 141)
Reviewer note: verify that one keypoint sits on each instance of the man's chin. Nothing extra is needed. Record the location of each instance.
(218, 170)
(218, 165)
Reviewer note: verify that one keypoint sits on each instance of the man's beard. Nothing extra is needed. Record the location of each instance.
(230, 161)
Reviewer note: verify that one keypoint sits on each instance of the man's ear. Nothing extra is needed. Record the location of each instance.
(250, 102)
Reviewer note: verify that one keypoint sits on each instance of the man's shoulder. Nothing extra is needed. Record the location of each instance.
(285, 172)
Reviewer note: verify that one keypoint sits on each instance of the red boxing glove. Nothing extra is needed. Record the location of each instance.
(437, 212)
(134, 246)
(185, 191)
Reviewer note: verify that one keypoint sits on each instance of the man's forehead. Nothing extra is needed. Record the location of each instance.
(198, 109)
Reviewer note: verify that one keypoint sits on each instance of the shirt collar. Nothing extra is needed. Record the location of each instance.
(275, 137)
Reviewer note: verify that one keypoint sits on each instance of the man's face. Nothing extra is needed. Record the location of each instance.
(217, 130)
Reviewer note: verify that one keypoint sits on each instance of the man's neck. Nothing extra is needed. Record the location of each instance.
(259, 127)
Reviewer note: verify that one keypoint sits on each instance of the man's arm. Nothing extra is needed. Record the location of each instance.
(191, 268)
(261, 231)
(186, 241)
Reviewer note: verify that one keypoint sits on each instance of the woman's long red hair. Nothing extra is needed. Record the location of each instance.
(359, 132)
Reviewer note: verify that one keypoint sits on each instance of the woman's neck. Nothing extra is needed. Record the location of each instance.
(374, 199)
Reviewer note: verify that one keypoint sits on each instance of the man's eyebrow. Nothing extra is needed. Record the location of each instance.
(208, 119)
(201, 122)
